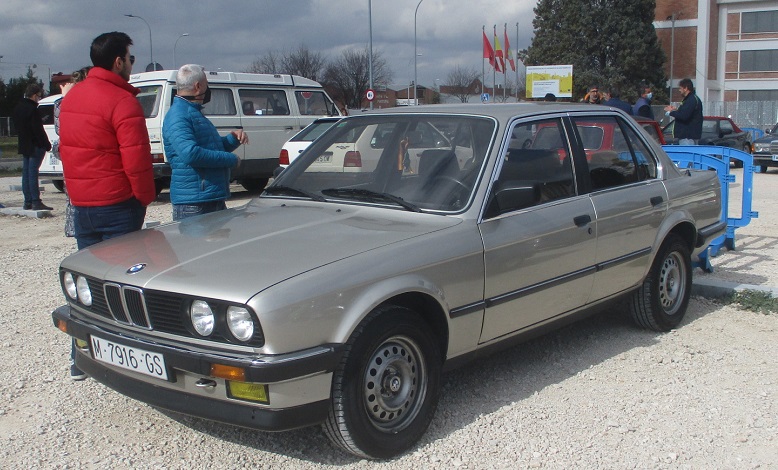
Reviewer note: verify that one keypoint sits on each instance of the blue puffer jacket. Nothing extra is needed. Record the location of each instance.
(199, 157)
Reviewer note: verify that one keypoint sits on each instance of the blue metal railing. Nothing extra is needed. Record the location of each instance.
(753, 133)
(718, 158)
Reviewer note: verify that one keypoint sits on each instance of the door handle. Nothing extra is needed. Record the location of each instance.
(582, 220)
(656, 200)
(289, 128)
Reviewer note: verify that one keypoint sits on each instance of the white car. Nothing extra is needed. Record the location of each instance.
(300, 141)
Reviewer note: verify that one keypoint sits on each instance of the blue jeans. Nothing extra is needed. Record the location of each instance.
(95, 224)
(30, 184)
(184, 211)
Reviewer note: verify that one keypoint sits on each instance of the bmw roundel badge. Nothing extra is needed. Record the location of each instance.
(136, 268)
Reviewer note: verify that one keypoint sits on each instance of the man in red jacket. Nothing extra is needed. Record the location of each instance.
(105, 151)
(104, 145)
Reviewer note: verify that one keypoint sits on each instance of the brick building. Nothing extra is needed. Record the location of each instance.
(729, 48)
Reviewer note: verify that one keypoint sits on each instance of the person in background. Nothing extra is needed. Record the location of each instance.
(65, 83)
(688, 117)
(105, 150)
(33, 144)
(593, 96)
(200, 159)
(614, 100)
(642, 106)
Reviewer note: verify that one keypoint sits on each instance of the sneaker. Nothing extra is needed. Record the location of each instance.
(39, 206)
(76, 373)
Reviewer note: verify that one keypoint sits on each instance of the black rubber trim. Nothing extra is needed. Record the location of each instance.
(624, 259)
(706, 234)
(203, 407)
(262, 369)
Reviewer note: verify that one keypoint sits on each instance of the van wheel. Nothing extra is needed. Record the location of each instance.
(60, 185)
(763, 168)
(660, 302)
(385, 389)
(160, 184)
(254, 184)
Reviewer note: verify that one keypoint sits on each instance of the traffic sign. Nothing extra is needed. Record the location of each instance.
(485, 97)
(370, 94)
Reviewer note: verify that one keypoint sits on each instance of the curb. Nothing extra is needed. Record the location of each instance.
(715, 289)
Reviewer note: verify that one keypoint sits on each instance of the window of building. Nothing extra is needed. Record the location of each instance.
(758, 95)
(760, 22)
(759, 61)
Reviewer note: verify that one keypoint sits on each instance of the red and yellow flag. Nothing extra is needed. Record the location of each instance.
(508, 53)
(488, 51)
(499, 62)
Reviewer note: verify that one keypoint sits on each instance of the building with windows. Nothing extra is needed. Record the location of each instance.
(729, 48)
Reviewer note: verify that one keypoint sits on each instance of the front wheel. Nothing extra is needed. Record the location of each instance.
(660, 302)
(385, 389)
(59, 185)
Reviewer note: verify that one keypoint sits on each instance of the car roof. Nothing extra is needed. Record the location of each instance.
(49, 99)
(500, 111)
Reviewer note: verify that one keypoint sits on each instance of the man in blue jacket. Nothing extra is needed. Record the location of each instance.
(688, 117)
(200, 159)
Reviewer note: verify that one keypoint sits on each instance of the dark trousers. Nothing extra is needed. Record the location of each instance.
(30, 184)
(95, 224)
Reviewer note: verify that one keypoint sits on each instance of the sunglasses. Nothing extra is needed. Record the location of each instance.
(132, 59)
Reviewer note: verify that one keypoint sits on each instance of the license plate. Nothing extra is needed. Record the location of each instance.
(127, 357)
(53, 160)
(775, 158)
(324, 159)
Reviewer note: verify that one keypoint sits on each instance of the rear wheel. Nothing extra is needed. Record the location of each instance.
(660, 303)
(763, 168)
(60, 185)
(254, 184)
(386, 387)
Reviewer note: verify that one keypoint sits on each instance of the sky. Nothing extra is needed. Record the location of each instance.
(231, 34)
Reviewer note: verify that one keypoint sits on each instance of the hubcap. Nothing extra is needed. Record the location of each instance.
(672, 283)
(395, 383)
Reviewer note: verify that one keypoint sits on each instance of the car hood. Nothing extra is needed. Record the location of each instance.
(236, 253)
(766, 139)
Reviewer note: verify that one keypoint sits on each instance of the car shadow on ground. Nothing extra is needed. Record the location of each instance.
(738, 264)
(480, 387)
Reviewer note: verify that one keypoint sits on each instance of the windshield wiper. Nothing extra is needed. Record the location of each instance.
(281, 189)
(371, 196)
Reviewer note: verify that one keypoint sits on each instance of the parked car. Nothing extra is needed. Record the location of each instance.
(300, 141)
(717, 130)
(765, 149)
(340, 297)
(652, 128)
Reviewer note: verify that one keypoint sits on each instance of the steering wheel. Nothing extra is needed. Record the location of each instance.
(451, 179)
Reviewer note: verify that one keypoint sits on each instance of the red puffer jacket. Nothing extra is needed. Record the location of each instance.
(104, 144)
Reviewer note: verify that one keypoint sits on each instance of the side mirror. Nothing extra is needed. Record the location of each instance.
(512, 196)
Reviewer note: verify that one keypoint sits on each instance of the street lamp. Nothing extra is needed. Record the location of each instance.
(151, 46)
(175, 62)
(672, 18)
(370, 55)
(415, 55)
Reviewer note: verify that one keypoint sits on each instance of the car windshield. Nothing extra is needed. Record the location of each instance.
(709, 127)
(407, 162)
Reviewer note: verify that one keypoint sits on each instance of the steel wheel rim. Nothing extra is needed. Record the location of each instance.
(394, 384)
(672, 283)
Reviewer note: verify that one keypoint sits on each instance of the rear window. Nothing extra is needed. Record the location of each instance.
(46, 112)
(314, 103)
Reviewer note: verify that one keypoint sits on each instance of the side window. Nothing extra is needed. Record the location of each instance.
(46, 112)
(610, 162)
(538, 173)
(646, 164)
(726, 126)
(313, 103)
(263, 102)
(221, 104)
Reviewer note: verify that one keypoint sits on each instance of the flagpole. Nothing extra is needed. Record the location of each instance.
(483, 67)
(505, 68)
(494, 69)
(517, 61)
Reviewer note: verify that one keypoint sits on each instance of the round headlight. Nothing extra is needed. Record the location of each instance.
(202, 317)
(240, 323)
(84, 294)
(70, 285)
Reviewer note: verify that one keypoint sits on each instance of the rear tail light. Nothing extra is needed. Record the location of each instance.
(352, 159)
(283, 159)
(157, 158)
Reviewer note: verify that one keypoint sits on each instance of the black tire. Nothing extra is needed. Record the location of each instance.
(763, 168)
(660, 303)
(375, 420)
(59, 185)
(254, 184)
(160, 184)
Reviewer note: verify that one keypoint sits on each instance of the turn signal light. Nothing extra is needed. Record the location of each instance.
(62, 325)
(228, 372)
(157, 158)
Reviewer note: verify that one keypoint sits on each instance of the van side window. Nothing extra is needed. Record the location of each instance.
(221, 104)
(149, 99)
(313, 103)
(263, 102)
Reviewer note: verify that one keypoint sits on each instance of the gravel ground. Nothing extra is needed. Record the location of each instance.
(596, 394)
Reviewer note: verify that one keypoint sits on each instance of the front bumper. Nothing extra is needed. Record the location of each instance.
(298, 384)
(764, 160)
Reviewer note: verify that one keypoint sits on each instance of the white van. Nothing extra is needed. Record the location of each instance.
(51, 167)
(269, 108)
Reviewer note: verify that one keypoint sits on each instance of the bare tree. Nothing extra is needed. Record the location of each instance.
(349, 77)
(303, 62)
(268, 63)
(459, 82)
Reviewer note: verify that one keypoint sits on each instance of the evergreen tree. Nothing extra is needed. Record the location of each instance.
(608, 42)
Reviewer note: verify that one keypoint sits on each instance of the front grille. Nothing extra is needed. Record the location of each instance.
(774, 147)
(154, 310)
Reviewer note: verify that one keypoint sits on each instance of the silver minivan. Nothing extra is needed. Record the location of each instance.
(270, 108)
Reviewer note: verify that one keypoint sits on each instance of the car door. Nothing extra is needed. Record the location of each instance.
(630, 202)
(268, 119)
(539, 240)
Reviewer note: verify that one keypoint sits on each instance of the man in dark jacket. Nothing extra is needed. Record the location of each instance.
(642, 106)
(614, 100)
(33, 144)
(200, 158)
(688, 117)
